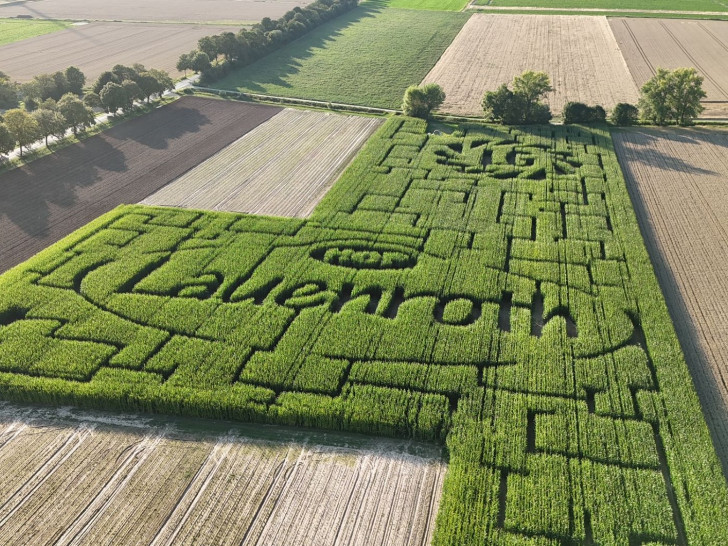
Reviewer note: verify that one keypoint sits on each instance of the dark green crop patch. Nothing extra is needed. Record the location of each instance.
(487, 289)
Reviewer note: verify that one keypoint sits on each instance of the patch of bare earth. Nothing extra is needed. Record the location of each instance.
(52, 196)
(193, 11)
(648, 44)
(79, 480)
(677, 181)
(281, 168)
(579, 54)
(96, 47)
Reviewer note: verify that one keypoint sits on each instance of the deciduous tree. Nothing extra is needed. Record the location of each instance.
(77, 115)
(672, 96)
(22, 125)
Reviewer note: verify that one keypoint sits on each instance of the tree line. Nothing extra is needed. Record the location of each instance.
(217, 55)
(54, 103)
(668, 97)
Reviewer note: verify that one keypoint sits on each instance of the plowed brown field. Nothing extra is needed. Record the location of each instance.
(281, 168)
(57, 194)
(141, 10)
(578, 53)
(648, 44)
(75, 479)
(677, 181)
(97, 47)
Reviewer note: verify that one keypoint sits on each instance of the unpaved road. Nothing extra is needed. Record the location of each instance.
(71, 477)
(677, 179)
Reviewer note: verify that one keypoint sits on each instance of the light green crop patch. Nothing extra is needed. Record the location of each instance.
(487, 288)
(12, 30)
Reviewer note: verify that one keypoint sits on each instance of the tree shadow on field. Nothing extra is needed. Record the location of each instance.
(162, 126)
(643, 147)
(275, 68)
(28, 193)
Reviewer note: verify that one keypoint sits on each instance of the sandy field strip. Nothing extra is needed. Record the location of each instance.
(96, 47)
(193, 11)
(282, 168)
(579, 53)
(52, 196)
(648, 44)
(677, 181)
(74, 478)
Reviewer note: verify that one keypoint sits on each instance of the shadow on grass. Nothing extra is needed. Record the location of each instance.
(287, 61)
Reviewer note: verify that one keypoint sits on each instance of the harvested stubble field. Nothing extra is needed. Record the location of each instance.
(85, 478)
(648, 44)
(488, 289)
(578, 53)
(12, 30)
(96, 47)
(281, 168)
(54, 195)
(188, 11)
(368, 57)
(677, 179)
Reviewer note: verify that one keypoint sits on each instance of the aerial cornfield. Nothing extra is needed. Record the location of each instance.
(487, 289)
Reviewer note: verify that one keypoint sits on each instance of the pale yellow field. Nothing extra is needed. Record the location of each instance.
(81, 480)
(281, 168)
(579, 54)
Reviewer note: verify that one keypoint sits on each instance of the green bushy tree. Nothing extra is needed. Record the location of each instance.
(578, 112)
(624, 114)
(672, 96)
(7, 139)
(419, 102)
(522, 104)
(23, 126)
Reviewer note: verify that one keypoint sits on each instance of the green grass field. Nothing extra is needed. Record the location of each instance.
(368, 57)
(677, 5)
(14, 30)
(438, 5)
(487, 288)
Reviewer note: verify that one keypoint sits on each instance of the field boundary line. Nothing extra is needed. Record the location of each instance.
(472, 5)
(300, 102)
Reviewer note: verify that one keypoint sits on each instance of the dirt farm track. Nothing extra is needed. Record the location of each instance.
(87, 478)
(191, 11)
(96, 47)
(677, 181)
(57, 194)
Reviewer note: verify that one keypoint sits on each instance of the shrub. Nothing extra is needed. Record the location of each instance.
(624, 114)
(520, 106)
(578, 112)
(418, 102)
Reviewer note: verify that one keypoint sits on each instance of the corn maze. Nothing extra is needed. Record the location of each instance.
(488, 289)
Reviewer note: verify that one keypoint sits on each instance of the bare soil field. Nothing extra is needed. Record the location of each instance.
(677, 181)
(648, 44)
(192, 11)
(70, 477)
(578, 53)
(57, 194)
(281, 168)
(96, 47)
